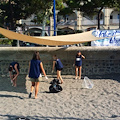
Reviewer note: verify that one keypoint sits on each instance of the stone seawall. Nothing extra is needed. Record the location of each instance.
(99, 60)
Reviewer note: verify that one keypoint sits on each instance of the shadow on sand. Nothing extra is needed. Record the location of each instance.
(5, 85)
(13, 117)
(11, 96)
(113, 76)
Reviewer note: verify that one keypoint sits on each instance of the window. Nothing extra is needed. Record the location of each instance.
(111, 17)
(118, 16)
(101, 16)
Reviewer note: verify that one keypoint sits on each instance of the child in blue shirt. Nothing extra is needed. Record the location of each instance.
(35, 70)
(59, 66)
(78, 64)
(14, 69)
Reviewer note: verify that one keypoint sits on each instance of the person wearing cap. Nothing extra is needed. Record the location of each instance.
(78, 64)
(35, 70)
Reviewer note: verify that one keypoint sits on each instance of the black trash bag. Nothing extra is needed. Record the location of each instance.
(55, 81)
(55, 88)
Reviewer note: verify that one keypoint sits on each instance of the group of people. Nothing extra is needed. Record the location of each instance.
(36, 69)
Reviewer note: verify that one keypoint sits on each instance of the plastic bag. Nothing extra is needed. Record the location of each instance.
(27, 77)
(87, 83)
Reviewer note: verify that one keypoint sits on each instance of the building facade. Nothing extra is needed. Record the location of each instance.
(77, 21)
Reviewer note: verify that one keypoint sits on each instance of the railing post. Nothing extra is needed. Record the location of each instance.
(18, 44)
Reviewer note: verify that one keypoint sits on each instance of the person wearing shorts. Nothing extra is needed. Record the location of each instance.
(35, 70)
(14, 69)
(59, 66)
(78, 64)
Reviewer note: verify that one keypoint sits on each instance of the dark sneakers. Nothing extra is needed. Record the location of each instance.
(30, 95)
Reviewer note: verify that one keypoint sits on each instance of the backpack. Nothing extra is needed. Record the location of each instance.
(55, 87)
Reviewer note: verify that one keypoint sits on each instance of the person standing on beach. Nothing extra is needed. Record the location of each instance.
(78, 64)
(35, 70)
(59, 66)
(14, 69)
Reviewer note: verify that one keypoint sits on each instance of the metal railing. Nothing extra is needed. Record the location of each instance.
(84, 21)
(114, 21)
(91, 22)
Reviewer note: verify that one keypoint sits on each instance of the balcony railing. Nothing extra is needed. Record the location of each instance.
(114, 21)
(68, 22)
(91, 22)
(84, 22)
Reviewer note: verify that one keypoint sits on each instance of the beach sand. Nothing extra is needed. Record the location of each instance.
(73, 103)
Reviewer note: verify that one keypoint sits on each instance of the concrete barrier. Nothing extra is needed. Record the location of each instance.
(99, 60)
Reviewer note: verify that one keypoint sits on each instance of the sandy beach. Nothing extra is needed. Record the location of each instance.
(73, 103)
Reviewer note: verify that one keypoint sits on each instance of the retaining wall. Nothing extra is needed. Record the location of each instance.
(99, 60)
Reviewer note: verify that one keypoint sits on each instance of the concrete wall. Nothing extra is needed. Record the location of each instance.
(99, 60)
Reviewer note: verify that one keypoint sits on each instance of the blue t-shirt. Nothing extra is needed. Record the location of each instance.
(58, 64)
(13, 65)
(78, 60)
(35, 69)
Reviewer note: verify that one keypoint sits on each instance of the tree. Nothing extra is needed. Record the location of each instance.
(91, 7)
(44, 9)
(13, 10)
(117, 7)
